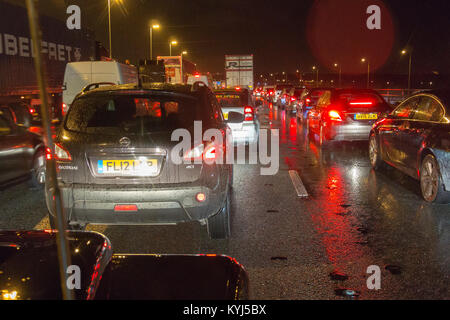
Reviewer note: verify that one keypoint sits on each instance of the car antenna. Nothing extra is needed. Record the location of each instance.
(62, 244)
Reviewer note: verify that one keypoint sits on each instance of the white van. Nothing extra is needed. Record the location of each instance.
(205, 78)
(80, 74)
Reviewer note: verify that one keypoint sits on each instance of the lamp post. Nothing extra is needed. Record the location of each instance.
(368, 71)
(409, 67)
(171, 43)
(317, 75)
(153, 26)
(109, 28)
(337, 65)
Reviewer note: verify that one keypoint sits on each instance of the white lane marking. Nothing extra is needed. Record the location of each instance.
(298, 184)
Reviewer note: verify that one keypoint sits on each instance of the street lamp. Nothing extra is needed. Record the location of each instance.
(109, 28)
(172, 43)
(152, 26)
(317, 75)
(336, 65)
(409, 67)
(368, 71)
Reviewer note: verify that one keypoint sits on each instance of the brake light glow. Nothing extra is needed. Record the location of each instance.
(62, 154)
(334, 115)
(32, 110)
(197, 75)
(200, 152)
(361, 103)
(293, 99)
(48, 154)
(210, 153)
(64, 108)
(248, 113)
(125, 207)
(200, 197)
(238, 88)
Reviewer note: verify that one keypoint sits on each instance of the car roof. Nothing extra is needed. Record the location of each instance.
(442, 94)
(154, 86)
(230, 91)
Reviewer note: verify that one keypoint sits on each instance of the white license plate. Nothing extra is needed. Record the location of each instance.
(128, 167)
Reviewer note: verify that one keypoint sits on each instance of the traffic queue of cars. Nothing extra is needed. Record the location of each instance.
(413, 137)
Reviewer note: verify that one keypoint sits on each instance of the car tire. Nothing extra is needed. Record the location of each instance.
(374, 153)
(431, 185)
(37, 180)
(219, 224)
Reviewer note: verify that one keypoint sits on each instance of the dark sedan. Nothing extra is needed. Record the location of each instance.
(115, 157)
(415, 138)
(22, 153)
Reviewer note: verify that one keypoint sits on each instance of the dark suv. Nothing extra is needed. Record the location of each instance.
(115, 158)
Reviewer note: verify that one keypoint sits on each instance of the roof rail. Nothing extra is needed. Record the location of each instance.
(96, 85)
(197, 85)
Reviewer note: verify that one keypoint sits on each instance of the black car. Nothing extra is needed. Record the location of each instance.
(30, 271)
(22, 153)
(116, 165)
(346, 114)
(415, 138)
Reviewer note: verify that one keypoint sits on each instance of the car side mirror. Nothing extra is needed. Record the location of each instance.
(235, 117)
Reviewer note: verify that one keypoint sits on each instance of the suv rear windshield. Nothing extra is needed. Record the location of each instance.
(132, 114)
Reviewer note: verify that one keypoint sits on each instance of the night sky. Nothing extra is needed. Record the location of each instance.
(275, 31)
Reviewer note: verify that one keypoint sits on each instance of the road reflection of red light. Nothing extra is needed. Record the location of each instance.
(336, 230)
(293, 130)
(283, 126)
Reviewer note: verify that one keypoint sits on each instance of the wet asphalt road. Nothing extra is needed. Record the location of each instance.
(353, 218)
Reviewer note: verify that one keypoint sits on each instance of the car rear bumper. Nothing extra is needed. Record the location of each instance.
(171, 205)
(349, 132)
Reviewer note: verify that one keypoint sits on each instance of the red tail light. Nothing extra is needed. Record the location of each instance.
(361, 103)
(334, 115)
(200, 197)
(64, 109)
(248, 113)
(307, 101)
(293, 99)
(126, 207)
(210, 153)
(201, 153)
(48, 154)
(32, 110)
(61, 154)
